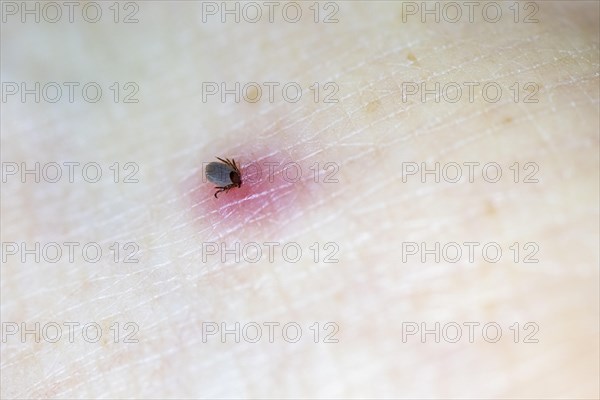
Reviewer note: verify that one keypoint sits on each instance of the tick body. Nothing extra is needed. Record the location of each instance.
(225, 174)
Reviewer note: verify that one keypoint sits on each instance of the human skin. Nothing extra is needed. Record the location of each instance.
(372, 295)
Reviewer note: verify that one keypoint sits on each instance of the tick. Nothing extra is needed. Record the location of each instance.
(226, 174)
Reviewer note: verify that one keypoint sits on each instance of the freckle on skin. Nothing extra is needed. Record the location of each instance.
(373, 106)
(411, 57)
(489, 208)
(252, 94)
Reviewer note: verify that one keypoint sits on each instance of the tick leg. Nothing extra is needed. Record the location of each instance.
(221, 189)
(226, 161)
(231, 163)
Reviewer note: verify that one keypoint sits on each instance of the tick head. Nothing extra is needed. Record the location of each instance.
(236, 178)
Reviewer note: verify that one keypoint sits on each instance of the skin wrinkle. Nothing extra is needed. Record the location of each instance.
(353, 197)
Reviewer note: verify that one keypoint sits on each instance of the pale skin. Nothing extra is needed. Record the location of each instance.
(371, 295)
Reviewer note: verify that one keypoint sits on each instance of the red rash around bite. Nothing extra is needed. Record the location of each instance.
(273, 192)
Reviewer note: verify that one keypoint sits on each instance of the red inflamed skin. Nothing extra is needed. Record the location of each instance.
(278, 182)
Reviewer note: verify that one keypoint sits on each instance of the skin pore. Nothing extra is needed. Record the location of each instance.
(362, 217)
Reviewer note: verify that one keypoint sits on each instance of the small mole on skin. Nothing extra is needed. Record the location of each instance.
(411, 57)
(372, 106)
(507, 120)
(490, 209)
(251, 94)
